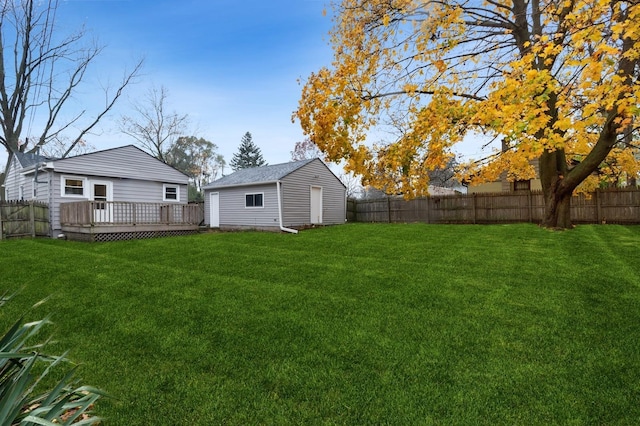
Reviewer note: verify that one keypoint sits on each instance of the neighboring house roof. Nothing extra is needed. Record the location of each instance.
(441, 190)
(27, 159)
(258, 175)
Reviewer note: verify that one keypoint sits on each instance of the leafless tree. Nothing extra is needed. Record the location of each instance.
(41, 70)
(305, 150)
(152, 126)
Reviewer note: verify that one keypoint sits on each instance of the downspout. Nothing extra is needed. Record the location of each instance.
(282, 228)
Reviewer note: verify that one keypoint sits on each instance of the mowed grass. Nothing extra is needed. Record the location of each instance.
(354, 324)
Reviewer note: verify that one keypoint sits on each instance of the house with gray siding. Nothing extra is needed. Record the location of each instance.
(126, 174)
(283, 197)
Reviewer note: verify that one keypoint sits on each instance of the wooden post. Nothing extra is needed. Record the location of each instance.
(89, 213)
(1, 225)
(598, 206)
(389, 209)
(475, 213)
(530, 200)
(428, 209)
(32, 219)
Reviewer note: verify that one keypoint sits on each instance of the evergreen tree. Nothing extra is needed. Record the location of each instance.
(248, 155)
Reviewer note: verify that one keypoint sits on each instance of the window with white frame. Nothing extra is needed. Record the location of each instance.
(254, 200)
(171, 193)
(73, 186)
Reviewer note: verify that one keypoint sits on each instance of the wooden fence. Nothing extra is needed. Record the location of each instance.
(23, 219)
(603, 206)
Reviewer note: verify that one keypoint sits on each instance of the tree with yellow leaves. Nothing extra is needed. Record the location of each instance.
(555, 80)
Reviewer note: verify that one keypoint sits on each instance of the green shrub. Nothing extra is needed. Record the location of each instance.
(22, 369)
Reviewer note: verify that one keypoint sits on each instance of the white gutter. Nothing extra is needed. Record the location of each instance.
(282, 228)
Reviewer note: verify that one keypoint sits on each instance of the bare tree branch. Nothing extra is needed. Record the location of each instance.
(152, 126)
(40, 72)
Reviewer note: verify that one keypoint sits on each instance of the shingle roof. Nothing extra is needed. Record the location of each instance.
(258, 175)
(27, 159)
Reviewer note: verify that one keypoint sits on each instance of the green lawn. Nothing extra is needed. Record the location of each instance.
(354, 324)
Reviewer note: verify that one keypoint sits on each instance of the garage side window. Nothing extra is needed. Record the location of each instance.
(253, 200)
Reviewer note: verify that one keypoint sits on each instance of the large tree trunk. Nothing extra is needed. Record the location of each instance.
(557, 213)
(557, 194)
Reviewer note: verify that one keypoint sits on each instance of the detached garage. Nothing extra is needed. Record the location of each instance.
(277, 197)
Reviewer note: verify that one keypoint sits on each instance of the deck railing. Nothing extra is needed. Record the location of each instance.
(127, 213)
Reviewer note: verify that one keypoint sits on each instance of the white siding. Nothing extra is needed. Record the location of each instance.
(296, 195)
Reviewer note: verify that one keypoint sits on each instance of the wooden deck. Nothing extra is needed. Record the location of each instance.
(116, 220)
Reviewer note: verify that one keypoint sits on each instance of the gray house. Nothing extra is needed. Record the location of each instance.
(277, 197)
(119, 186)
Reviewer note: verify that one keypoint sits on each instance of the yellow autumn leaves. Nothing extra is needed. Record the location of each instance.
(410, 79)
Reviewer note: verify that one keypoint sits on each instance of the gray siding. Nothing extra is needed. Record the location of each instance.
(296, 200)
(124, 162)
(15, 179)
(296, 195)
(135, 177)
(234, 213)
(126, 190)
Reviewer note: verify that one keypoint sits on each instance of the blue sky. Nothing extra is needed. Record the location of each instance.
(232, 66)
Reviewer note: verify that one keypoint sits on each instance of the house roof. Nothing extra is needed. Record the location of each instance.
(257, 175)
(128, 162)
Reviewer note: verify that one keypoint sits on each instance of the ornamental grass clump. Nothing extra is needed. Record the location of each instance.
(25, 397)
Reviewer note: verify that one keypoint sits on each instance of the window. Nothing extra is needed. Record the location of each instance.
(522, 185)
(171, 193)
(253, 200)
(72, 186)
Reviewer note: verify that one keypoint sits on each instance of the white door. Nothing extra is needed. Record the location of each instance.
(316, 204)
(102, 195)
(214, 210)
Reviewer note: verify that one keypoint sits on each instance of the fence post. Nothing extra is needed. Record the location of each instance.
(428, 209)
(389, 209)
(596, 194)
(32, 219)
(1, 225)
(530, 201)
(475, 214)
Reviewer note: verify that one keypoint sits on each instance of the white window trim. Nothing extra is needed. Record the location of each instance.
(85, 187)
(164, 192)
(253, 207)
